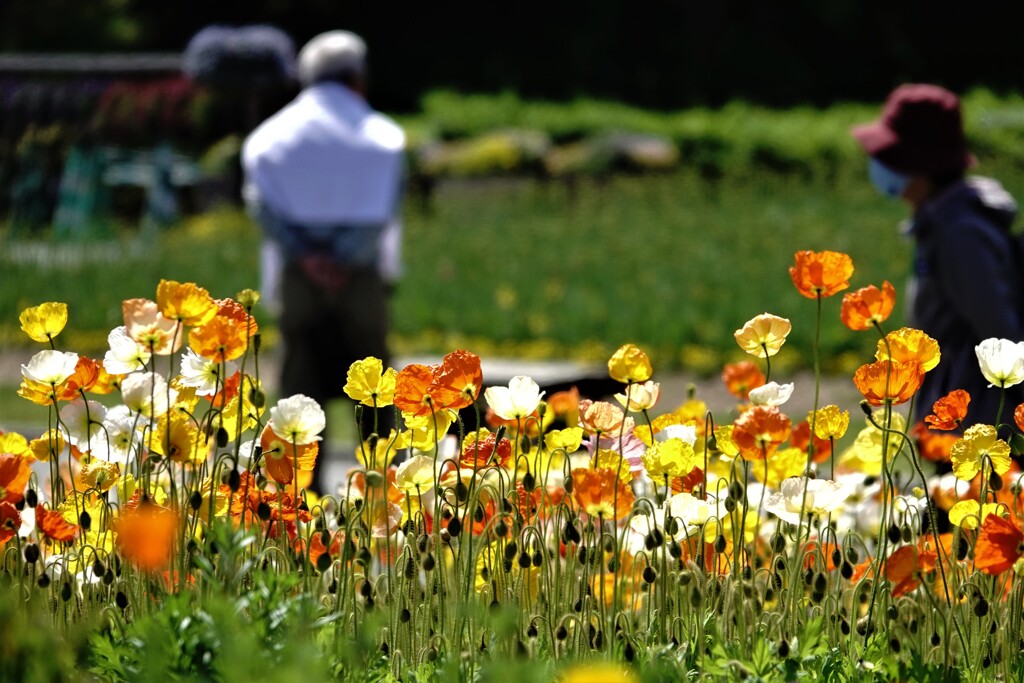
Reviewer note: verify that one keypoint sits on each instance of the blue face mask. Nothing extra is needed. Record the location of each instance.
(887, 181)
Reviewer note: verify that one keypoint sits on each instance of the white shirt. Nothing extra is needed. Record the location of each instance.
(325, 159)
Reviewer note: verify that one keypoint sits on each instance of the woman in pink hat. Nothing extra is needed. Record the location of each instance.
(967, 283)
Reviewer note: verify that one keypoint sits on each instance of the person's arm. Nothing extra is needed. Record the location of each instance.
(978, 271)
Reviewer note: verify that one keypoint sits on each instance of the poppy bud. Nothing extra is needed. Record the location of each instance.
(31, 553)
(263, 510)
(649, 575)
(195, 501)
(529, 483)
(65, 591)
(222, 437)
(85, 520)
(234, 481)
(454, 527)
(31, 498)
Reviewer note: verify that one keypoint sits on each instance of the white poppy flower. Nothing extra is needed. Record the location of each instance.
(800, 495)
(121, 437)
(518, 400)
(689, 512)
(82, 421)
(771, 394)
(416, 475)
(50, 367)
(298, 419)
(1001, 361)
(639, 397)
(147, 393)
(687, 433)
(125, 354)
(203, 373)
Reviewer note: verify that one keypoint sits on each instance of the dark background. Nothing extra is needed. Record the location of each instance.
(659, 53)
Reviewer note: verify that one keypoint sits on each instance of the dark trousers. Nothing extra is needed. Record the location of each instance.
(325, 330)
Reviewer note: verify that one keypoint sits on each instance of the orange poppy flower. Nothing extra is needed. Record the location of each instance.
(282, 458)
(54, 526)
(741, 377)
(1000, 544)
(565, 405)
(478, 448)
(145, 537)
(15, 471)
(601, 493)
(868, 306)
(801, 438)
(457, 383)
(87, 371)
(950, 410)
(412, 390)
(105, 382)
(10, 522)
(225, 336)
(934, 446)
(688, 483)
(759, 432)
(821, 274)
(890, 381)
(905, 567)
(1018, 416)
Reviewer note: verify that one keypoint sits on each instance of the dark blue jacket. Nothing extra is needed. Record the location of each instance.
(967, 285)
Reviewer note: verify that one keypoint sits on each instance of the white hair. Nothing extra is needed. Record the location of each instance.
(335, 54)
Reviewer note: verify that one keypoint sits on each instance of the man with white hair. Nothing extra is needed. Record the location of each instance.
(323, 176)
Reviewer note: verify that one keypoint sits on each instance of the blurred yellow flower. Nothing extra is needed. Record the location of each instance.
(427, 430)
(45, 321)
(598, 672)
(387, 448)
(186, 302)
(968, 514)
(569, 439)
(908, 344)
(865, 454)
(724, 442)
(978, 442)
(763, 335)
(671, 458)
(370, 384)
(829, 422)
(47, 446)
(629, 364)
(783, 464)
(99, 474)
(176, 437)
(612, 460)
(14, 444)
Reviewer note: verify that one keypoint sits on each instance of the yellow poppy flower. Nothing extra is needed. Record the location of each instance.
(979, 441)
(14, 444)
(177, 438)
(611, 460)
(908, 344)
(47, 446)
(386, 450)
(99, 474)
(370, 384)
(629, 364)
(968, 514)
(422, 428)
(45, 321)
(763, 335)
(569, 439)
(670, 458)
(829, 422)
(186, 302)
(783, 464)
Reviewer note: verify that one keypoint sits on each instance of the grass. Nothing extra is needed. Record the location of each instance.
(521, 267)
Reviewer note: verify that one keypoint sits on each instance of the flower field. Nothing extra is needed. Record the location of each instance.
(173, 536)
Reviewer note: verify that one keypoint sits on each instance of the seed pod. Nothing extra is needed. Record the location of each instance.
(31, 553)
(454, 527)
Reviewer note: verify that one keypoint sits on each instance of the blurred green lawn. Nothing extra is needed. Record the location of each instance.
(525, 267)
